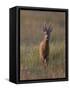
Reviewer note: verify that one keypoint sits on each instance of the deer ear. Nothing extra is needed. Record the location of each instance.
(45, 28)
(50, 28)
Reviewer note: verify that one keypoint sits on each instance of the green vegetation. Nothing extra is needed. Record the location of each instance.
(31, 36)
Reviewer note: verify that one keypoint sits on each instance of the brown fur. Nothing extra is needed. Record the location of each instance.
(44, 51)
(44, 45)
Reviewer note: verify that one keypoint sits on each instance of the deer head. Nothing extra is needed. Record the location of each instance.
(47, 31)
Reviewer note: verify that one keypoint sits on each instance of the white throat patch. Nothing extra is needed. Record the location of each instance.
(46, 37)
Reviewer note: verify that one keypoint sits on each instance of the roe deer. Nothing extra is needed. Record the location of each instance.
(44, 45)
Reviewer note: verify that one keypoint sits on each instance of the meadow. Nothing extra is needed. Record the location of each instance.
(31, 25)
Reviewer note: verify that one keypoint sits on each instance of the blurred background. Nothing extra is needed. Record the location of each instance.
(31, 35)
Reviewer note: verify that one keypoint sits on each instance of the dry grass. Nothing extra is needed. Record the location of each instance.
(31, 67)
(30, 38)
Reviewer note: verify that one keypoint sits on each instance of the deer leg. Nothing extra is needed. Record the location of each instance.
(46, 61)
(42, 61)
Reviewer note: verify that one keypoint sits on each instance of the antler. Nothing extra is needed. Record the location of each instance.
(50, 27)
(45, 27)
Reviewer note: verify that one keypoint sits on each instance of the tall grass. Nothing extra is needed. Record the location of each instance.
(31, 25)
(30, 62)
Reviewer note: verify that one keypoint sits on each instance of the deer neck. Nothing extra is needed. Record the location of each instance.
(46, 41)
(46, 38)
